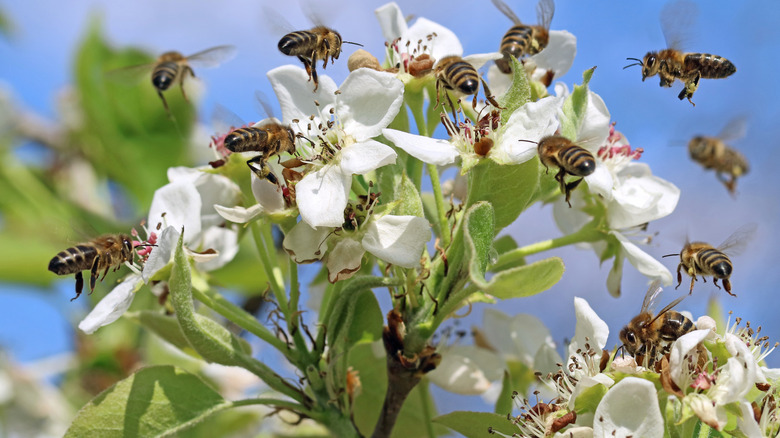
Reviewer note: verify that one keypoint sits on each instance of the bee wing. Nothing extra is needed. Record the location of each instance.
(265, 107)
(545, 10)
(651, 297)
(736, 243)
(668, 307)
(132, 74)
(275, 22)
(224, 120)
(735, 129)
(506, 10)
(677, 21)
(212, 57)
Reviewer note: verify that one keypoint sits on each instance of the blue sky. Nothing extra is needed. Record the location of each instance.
(36, 65)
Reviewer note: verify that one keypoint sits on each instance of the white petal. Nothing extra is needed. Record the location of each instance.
(742, 372)
(531, 122)
(747, 422)
(267, 194)
(368, 102)
(222, 240)
(587, 382)
(571, 219)
(630, 408)
(681, 348)
(183, 174)
(444, 43)
(708, 413)
(547, 359)
(518, 337)
(559, 53)
(306, 244)
(426, 149)
(363, 157)
(615, 276)
(589, 326)
(215, 189)
(177, 205)
(161, 254)
(322, 196)
(640, 197)
(398, 240)
(344, 260)
(477, 60)
(595, 127)
(498, 80)
(600, 181)
(294, 92)
(239, 215)
(391, 20)
(467, 370)
(575, 432)
(112, 306)
(642, 261)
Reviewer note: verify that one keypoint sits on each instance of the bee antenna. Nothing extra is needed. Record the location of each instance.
(143, 245)
(530, 141)
(350, 42)
(638, 62)
(669, 255)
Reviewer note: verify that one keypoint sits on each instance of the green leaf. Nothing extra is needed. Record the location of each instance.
(155, 401)
(526, 280)
(407, 200)
(164, 326)
(575, 106)
(355, 317)
(589, 399)
(212, 341)
(480, 229)
(509, 188)
(476, 424)
(504, 401)
(372, 371)
(519, 92)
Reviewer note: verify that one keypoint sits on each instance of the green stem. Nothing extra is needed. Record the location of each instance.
(588, 233)
(286, 404)
(433, 171)
(268, 263)
(240, 317)
(425, 397)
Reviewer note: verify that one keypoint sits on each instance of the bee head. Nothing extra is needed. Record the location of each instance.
(650, 65)
(629, 340)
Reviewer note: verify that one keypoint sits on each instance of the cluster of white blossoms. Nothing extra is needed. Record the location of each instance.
(330, 210)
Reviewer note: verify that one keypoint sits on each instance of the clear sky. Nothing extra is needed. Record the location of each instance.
(36, 64)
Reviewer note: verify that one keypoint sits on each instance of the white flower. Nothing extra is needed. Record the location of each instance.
(531, 122)
(398, 240)
(269, 199)
(630, 408)
(113, 305)
(367, 102)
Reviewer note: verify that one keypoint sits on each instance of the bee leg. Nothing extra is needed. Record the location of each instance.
(488, 95)
(79, 285)
(314, 76)
(306, 65)
(693, 278)
(727, 286)
(187, 69)
(679, 276)
(94, 274)
(571, 186)
(690, 87)
(165, 103)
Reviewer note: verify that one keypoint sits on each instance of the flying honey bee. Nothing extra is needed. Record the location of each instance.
(99, 254)
(704, 259)
(456, 74)
(172, 67)
(569, 158)
(651, 335)
(523, 39)
(671, 63)
(310, 46)
(714, 153)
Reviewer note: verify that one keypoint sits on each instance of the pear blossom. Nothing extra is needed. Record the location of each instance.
(398, 240)
(269, 198)
(531, 122)
(478, 368)
(365, 103)
(630, 408)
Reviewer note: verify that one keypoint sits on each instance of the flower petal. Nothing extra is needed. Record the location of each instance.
(363, 157)
(498, 80)
(519, 337)
(615, 276)
(594, 130)
(589, 326)
(681, 349)
(710, 414)
(600, 181)
(222, 240)
(177, 205)
(368, 101)
(322, 196)
(640, 197)
(215, 189)
(306, 244)
(642, 261)
(575, 432)
(398, 240)
(531, 122)
(391, 20)
(477, 60)
(467, 370)
(161, 254)
(747, 422)
(294, 92)
(444, 43)
(559, 54)
(267, 194)
(426, 149)
(587, 382)
(630, 408)
(112, 306)
(344, 260)
(239, 215)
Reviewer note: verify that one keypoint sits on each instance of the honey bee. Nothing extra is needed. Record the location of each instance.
(651, 335)
(270, 138)
(703, 259)
(714, 153)
(99, 254)
(523, 39)
(456, 74)
(172, 67)
(671, 63)
(571, 159)
(310, 46)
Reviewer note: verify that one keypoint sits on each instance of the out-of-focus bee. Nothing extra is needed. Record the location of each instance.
(456, 74)
(523, 39)
(671, 63)
(714, 153)
(310, 46)
(704, 259)
(99, 254)
(650, 335)
(569, 158)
